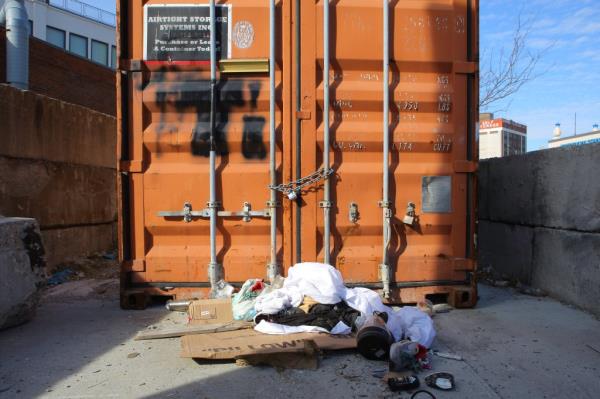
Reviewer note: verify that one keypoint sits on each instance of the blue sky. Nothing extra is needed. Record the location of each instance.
(571, 67)
(570, 79)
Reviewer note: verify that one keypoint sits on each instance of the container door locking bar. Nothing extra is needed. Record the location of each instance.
(215, 270)
(188, 214)
(326, 204)
(273, 269)
(385, 204)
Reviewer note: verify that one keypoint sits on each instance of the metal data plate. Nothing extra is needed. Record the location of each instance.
(436, 192)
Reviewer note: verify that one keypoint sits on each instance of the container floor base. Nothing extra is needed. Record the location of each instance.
(457, 296)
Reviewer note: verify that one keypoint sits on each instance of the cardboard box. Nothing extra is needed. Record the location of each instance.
(242, 343)
(210, 311)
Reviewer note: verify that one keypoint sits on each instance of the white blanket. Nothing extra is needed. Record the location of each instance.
(325, 284)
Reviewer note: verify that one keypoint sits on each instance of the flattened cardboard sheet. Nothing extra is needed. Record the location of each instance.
(235, 344)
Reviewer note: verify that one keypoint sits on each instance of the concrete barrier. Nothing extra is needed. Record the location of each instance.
(539, 222)
(22, 270)
(557, 188)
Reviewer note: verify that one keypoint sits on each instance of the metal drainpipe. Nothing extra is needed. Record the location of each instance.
(214, 271)
(385, 203)
(326, 203)
(14, 16)
(272, 268)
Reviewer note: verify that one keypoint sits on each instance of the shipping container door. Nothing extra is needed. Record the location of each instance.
(431, 122)
(166, 150)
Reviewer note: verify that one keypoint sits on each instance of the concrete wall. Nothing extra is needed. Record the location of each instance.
(57, 165)
(539, 221)
(67, 77)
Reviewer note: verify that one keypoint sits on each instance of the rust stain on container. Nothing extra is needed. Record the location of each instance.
(163, 113)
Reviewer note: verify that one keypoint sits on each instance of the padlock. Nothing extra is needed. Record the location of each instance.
(292, 195)
(409, 218)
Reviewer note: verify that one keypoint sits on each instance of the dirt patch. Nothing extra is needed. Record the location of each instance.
(99, 266)
(106, 289)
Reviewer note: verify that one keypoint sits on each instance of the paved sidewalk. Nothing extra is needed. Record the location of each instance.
(80, 346)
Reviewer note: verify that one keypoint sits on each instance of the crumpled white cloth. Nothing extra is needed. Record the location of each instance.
(266, 327)
(325, 284)
(274, 301)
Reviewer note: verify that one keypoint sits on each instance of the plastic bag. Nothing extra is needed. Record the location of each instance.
(243, 302)
(222, 290)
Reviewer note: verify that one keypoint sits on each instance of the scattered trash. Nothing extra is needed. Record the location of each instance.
(442, 381)
(442, 308)
(178, 306)
(222, 290)
(405, 383)
(60, 277)
(324, 284)
(500, 283)
(403, 356)
(422, 391)
(190, 329)
(297, 317)
(307, 359)
(379, 373)
(447, 355)
(373, 338)
(110, 255)
(242, 343)
(426, 306)
(210, 311)
(593, 348)
(133, 355)
(527, 290)
(243, 302)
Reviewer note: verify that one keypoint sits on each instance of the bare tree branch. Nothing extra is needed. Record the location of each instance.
(503, 75)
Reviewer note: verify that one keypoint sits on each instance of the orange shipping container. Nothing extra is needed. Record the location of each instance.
(356, 148)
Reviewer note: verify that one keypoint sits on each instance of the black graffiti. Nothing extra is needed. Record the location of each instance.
(253, 146)
(230, 95)
(252, 140)
(189, 94)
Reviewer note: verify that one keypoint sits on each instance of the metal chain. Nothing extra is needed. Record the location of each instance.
(298, 185)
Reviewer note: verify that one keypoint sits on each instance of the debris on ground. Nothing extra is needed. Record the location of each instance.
(442, 308)
(110, 255)
(447, 355)
(441, 381)
(421, 393)
(289, 325)
(210, 311)
(533, 291)
(403, 383)
(222, 290)
(178, 306)
(190, 329)
(241, 343)
(305, 359)
(60, 277)
(98, 266)
(108, 288)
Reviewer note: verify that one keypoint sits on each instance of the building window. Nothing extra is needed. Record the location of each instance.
(100, 52)
(113, 57)
(56, 37)
(505, 144)
(78, 45)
